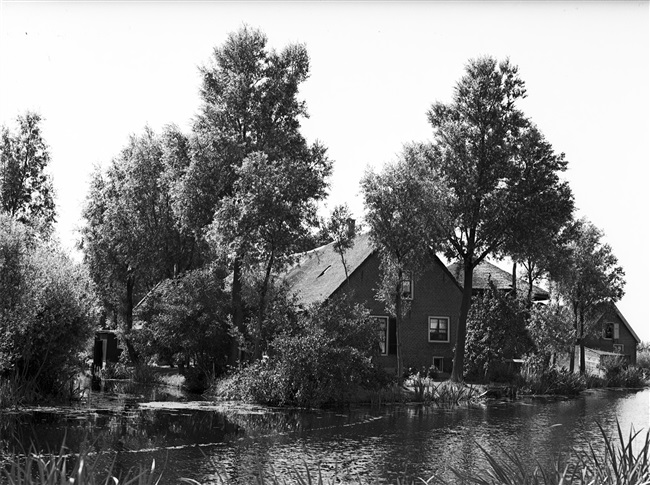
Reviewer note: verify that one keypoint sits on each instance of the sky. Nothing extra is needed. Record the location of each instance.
(100, 71)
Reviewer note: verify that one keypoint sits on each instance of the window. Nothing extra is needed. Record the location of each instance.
(611, 331)
(407, 286)
(437, 363)
(619, 348)
(438, 329)
(383, 334)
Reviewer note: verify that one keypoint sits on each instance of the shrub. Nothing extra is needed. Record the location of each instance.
(496, 331)
(186, 319)
(327, 359)
(552, 381)
(619, 374)
(643, 359)
(47, 311)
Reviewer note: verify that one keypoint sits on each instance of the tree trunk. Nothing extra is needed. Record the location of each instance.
(237, 310)
(128, 318)
(257, 351)
(398, 324)
(514, 278)
(461, 334)
(583, 369)
(572, 353)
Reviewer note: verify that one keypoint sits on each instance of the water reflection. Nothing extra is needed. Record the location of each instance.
(201, 441)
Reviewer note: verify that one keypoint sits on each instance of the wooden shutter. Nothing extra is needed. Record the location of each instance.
(616, 330)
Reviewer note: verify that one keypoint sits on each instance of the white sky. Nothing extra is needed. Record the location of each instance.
(99, 71)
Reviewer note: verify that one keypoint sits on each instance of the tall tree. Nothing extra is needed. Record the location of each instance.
(130, 240)
(478, 140)
(340, 228)
(250, 105)
(591, 280)
(537, 240)
(26, 191)
(405, 211)
(272, 208)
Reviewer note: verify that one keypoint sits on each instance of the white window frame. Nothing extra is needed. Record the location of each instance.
(386, 333)
(429, 329)
(619, 348)
(407, 278)
(442, 362)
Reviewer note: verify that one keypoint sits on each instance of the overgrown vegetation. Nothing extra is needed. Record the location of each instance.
(496, 333)
(60, 468)
(47, 312)
(326, 359)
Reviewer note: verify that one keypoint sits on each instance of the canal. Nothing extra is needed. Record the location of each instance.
(129, 426)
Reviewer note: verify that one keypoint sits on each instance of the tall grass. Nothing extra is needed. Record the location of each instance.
(60, 468)
(621, 464)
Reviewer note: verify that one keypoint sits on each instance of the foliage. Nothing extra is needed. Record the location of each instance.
(552, 381)
(271, 210)
(340, 228)
(486, 151)
(185, 320)
(130, 240)
(59, 468)
(496, 331)
(405, 213)
(246, 152)
(550, 328)
(591, 279)
(618, 373)
(643, 358)
(48, 315)
(26, 191)
(325, 360)
(626, 461)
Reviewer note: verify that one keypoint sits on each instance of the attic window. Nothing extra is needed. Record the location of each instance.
(324, 271)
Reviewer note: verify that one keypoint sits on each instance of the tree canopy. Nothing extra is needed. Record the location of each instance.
(406, 205)
(499, 169)
(130, 240)
(591, 279)
(26, 191)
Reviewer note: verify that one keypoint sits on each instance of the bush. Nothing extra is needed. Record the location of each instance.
(496, 331)
(47, 311)
(619, 374)
(185, 319)
(643, 359)
(552, 381)
(326, 361)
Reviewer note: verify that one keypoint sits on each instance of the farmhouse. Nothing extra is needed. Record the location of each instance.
(429, 328)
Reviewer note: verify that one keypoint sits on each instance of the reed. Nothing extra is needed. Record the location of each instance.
(61, 468)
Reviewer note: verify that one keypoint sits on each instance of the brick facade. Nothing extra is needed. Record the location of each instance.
(609, 341)
(435, 294)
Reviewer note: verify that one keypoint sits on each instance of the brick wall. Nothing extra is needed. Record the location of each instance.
(597, 340)
(435, 294)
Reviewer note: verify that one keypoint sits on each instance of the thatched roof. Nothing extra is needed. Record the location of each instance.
(486, 272)
(318, 273)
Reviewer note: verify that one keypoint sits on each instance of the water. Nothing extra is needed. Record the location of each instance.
(205, 441)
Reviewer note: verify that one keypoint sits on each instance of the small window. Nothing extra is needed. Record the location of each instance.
(619, 348)
(383, 334)
(407, 286)
(438, 329)
(611, 331)
(438, 363)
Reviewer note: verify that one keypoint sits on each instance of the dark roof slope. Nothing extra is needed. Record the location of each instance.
(485, 272)
(318, 273)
